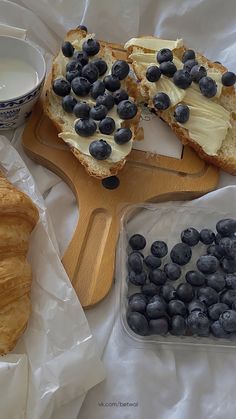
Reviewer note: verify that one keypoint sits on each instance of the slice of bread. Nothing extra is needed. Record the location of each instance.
(225, 156)
(64, 122)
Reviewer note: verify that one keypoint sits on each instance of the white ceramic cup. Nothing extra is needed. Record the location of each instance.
(15, 110)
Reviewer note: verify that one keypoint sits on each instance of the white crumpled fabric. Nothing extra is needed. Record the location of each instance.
(165, 384)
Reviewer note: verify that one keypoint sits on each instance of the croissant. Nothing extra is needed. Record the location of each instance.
(18, 217)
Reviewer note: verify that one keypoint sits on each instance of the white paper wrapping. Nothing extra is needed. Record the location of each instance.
(57, 360)
(170, 384)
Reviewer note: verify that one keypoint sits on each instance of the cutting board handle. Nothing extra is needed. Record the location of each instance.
(89, 258)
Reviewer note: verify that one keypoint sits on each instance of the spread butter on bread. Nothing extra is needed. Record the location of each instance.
(102, 165)
(211, 127)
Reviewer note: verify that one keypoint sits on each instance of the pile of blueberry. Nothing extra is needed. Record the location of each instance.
(84, 76)
(192, 71)
(203, 302)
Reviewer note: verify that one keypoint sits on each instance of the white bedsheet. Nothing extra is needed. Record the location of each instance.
(166, 384)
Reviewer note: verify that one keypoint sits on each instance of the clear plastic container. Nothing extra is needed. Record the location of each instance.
(164, 222)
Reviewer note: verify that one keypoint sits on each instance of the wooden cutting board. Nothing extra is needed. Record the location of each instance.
(90, 257)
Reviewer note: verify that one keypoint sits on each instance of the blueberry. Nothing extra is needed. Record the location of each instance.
(137, 242)
(176, 307)
(137, 279)
(85, 127)
(198, 323)
(107, 100)
(90, 72)
(82, 110)
(228, 297)
(153, 73)
(98, 112)
(138, 323)
(82, 57)
(152, 262)
(111, 182)
(214, 250)
(123, 135)
(159, 326)
(228, 266)
(61, 87)
(234, 306)
(207, 264)
(74, 65)
(190, 236)
(67, 49)
(127, 109)
(207, 236)
(195, 278)
(159, 249)
(120, 95)
(228, 78)
(181, 113)
(197, 73)
(218, 331)
(178, 326)
(218, 237)
(135, 251)
(189, 64)
(71, 75)
(112, 83)
(120, 69)
(168, 292)
(138, 302)
(172, 271)
(216, 310)
(181, 254)
(208, 86)
(227, 248)
(189, 54)
(156, 309)
(100, 149)
(80, 86)
(107, 125)
(97, 89)
(138, 296)
(216, 281)
(101, 66)
(150, 289)
(230, 280)
(135, 262)
(158, 277)
(164, 54)
(207, 295)
(182, 79)
(197, 305)
(82, 28)
(168, 68)
(228, 320)
(68, 103)
(154, 298)
(161, 101)
(91, 46)
(185, 292)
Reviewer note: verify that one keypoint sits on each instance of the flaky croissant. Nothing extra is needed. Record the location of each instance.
(18, 217)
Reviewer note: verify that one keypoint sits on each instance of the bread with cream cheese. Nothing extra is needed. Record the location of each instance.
(64, 122)
(211, 128)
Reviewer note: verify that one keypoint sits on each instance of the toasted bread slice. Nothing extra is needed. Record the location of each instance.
(64, 122)
(211, 128)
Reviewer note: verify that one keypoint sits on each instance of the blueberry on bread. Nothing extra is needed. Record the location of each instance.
(197, 101)
(91, 100)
